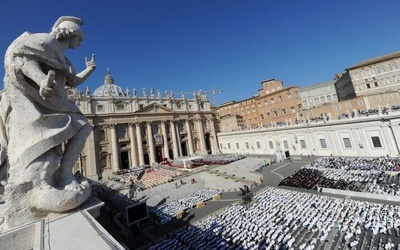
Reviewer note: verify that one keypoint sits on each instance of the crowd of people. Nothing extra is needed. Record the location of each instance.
(152, 176)
(272, 222)
(167, 211)
(373, 175)
(217, 159)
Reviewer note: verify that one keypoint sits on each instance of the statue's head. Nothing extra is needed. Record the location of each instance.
(67, 27)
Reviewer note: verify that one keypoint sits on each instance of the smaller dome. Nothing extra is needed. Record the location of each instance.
(109, 88)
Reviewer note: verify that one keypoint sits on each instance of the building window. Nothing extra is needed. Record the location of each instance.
(376, 142)
(121, 133)
(100, 108)
(376, 84)
(229, 145)
(381, 69)
(237, 145)
(303, 144)
(360, 102)
(178, 106)
(364, 73)
(347, 143)
(393, 66)
(258, 145)
(323, 143)
(220, 145)
(386, 81)
(368, 85)
(283, 112)
(102, 135)
(271, 144)
(247, 145)
(371, 72)
(190, 107)
(140, 106)
(120, 106)
(285, 144)
(397, 78)
(371, 99)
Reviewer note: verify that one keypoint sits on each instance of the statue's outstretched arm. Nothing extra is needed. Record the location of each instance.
(83, 75)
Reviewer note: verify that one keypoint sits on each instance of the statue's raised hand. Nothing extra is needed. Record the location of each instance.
(91, 65)
(46, 85)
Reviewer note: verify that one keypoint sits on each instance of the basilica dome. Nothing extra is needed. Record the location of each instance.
(109, 88)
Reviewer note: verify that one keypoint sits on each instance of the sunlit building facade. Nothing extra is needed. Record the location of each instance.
(131, 129)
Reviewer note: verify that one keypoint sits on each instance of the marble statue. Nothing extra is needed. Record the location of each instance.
(144, 92)
(134, 92)
(159, 93)
(39, 150)
(152, 92)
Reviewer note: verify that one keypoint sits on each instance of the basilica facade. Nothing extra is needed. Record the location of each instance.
(131, 129)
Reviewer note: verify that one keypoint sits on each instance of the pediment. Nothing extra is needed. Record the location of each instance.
(154, 108)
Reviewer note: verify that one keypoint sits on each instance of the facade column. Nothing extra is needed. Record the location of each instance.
(139, 144)
(200, 133)
(178, 136)
(151, 143)
(165, 139)
(90, 150)
(134, 156)
(174, 140)
(213, 138)
(190, 138)
(114, 147)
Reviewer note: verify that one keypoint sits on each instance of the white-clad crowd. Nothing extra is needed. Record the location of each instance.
(373, 175)
(284, 219)
(166, 212)
(218, 159)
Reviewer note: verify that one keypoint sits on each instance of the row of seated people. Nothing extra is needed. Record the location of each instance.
(377, 182)
(151, 177)
(125, 171)
(351, 174)
(347, 163)
(284, 219)
(168, 211)
(124, 174)
(156, 177)
(218, 159)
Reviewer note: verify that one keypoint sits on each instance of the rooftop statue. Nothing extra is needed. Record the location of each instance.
(43, 132)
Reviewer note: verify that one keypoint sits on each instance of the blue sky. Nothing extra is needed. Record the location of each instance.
(181, 45)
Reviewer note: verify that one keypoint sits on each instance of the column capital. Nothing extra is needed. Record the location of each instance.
(112, 125)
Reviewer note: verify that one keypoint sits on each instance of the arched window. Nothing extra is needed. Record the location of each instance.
(329, 98)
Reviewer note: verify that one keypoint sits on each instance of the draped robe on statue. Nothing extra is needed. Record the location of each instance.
(34, 129)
